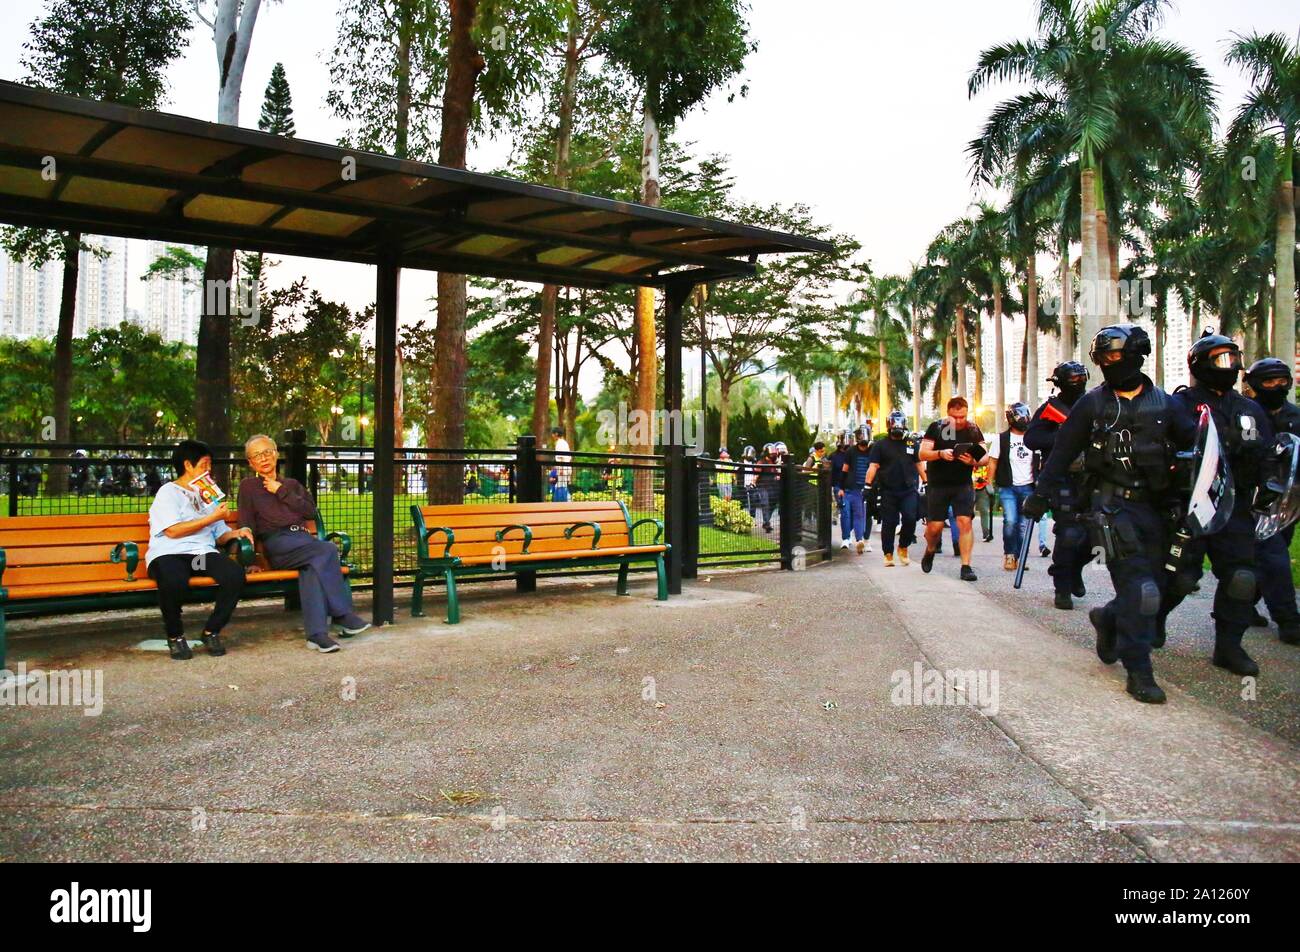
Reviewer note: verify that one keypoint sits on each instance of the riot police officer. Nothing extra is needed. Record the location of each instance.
(1128, 430)
(1246, 436)
(1270, 380)
(893, 472)
(1072, 550)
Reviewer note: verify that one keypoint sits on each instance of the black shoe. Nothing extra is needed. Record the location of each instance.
(1064, 601)
(927, 560)
(213, 643)
(988, 537)
(179, 649)
(1289, 634)
(322, 643)
(956, 551)
(1142, 685)
(1044, 551)
(1235, 659)
(968, 574)
(1106, 635)
(767, 528)
(1259, 621)
(1079, 590)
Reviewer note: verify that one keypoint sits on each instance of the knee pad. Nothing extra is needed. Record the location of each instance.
(1241, 585)
(1149, 604)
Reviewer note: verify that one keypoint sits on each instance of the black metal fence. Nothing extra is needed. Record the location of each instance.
(737, 514)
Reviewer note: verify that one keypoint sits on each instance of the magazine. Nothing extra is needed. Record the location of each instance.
(206, 488)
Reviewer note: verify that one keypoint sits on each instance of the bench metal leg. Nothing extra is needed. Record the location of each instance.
(417, 596)
(622, 577)
(662, 572)
(2, 638)
(453, 604)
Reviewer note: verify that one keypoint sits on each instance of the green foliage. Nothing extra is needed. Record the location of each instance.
(730, 516)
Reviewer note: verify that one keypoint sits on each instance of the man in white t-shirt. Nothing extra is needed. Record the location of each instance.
(1011, 470)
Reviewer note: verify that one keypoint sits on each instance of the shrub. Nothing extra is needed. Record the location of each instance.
(730, 516)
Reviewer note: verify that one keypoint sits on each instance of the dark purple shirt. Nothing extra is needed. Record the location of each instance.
(265, 513)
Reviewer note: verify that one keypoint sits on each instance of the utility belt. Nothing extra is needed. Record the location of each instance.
(1107, 492)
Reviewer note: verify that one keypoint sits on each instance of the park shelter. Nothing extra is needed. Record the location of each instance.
(99, 168)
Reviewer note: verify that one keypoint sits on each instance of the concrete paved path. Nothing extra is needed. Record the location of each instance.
(749, 719)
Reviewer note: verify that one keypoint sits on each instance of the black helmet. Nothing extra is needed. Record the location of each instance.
(896, 424)
(1131, 343)
(1019, 415)
(1220, 371)
(1265, 369)
(1071, 379)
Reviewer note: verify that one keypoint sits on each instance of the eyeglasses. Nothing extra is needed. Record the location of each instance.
(258, 457)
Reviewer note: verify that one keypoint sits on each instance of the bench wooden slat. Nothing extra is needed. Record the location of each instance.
(105, 535)
(565, 554)
(515, 544)
(607, 505)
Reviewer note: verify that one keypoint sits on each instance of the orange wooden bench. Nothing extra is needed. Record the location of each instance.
(453, 541)
(59, 564)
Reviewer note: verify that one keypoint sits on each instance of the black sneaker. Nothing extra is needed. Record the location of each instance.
(1079, 590)
(1259, 621)
(213, 643)
(1044, 551)
(1142, 685)
(927, 560)
(351, 625)
(1289, 634)
(322, 643)
(179, 649)
(1106, 635)
(1235, 659)
(1063, 601)
(967, 574)
(988, 537)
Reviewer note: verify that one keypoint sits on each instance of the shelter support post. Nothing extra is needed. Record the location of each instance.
(679, 503)
(387, 278)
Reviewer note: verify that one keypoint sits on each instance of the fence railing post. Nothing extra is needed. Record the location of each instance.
(790, 517)
(825, 506)
(294, 451)
(528, 488)
(13, 486)
(691, 503)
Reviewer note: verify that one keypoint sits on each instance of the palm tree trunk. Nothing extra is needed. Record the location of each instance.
(1105, 291)
(1067, 306)
(1162, 302)
(1089, 322)
(1029, 381)
(979, 359)
(916, 369)
(945, 382)
(1284, 261)
(884, 383)
(961, 352)
(999, 357)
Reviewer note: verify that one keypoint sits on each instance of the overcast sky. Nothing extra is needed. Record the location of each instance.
(857, 108)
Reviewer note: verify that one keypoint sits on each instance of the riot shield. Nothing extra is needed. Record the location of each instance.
(1213, 495)
(1283, 483)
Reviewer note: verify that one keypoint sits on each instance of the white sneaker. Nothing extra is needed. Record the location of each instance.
(868, 545)
(844, 544)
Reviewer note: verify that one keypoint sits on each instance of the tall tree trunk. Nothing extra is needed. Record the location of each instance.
(1284, 261)
(978, 398)
(724, 407)
(999, 357)
(58, 484)
(961, 352)
(1067, 305)
(647, 370)
(1030, 376)
(916, 369)
(1090, 275)
(464, 63)
(1162, 302)
(1106, 291)
(542, 373)
(945, 381)
(883, 397)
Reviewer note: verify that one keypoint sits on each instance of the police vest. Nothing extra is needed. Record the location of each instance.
(1129, 445)
(1235, 419)
(1287, 419)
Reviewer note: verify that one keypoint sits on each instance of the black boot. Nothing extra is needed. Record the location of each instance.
(212, 642)
(1289, 634)
(1259, 621)
(1106, 634)
(1233, 657)
(1064, 601)
(1159, 640)
(1079, 590)
(1142, 685)
(179, 649)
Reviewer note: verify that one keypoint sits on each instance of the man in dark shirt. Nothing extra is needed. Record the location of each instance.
(853, 486)
(278, 510)
(950, 449)
(1271, 383)
(894, 471)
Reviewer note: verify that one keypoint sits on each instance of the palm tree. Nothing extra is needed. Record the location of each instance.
(1272, 107)
(990, 248)
(1090, 65)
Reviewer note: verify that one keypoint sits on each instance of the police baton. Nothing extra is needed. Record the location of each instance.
(1027, 527)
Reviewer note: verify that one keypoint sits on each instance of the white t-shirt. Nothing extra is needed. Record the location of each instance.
(1022, 458)
(172, 505)
(562, 471)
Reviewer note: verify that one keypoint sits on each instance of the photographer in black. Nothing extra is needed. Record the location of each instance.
(1270, 381)
(1246, 436)
(1128, 430)
(1072, 550)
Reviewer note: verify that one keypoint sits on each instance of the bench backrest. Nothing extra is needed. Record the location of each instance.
(476, 526)
(50, 549)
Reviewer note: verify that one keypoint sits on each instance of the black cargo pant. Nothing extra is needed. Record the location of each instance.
(1273, 557)
(1073, 550)
(1137, 572)
(1232, 559)
(173, 573)
(896, 505)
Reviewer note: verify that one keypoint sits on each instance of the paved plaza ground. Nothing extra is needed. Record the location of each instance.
(751, 718)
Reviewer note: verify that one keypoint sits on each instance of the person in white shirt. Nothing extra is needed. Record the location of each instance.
(562, 471)
(1011, 470)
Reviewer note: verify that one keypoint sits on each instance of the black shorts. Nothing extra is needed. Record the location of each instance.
(939, 498)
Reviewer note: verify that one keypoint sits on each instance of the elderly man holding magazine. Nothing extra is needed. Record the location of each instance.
(277, 511)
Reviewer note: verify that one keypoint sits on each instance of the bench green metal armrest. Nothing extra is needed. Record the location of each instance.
(242, 550)
(345, 544)
(595, 531)
(129, 553)
(528, 536)
(659, 529)
(424, 534)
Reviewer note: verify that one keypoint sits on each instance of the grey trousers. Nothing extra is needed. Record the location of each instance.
(321, 586)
